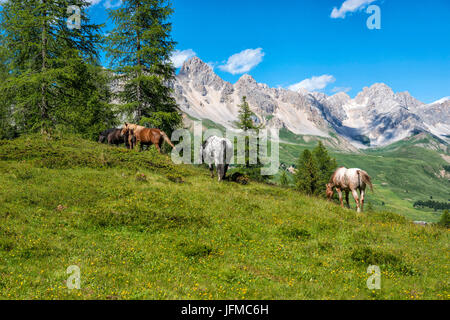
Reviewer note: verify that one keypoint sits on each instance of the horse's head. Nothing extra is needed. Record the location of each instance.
(125, 129)
(330, 191)
(101, 138)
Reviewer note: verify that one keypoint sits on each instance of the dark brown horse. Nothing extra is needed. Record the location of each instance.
(113, 137)
(147, 137)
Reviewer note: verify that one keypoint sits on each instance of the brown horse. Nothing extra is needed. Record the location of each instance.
(113, 137)
(349, 180)
(145, 136)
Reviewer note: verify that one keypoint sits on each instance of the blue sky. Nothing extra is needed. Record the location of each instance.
(298, 43)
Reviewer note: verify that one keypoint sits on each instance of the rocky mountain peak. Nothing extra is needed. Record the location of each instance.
(378, 94)
(378, 89)
(377, 114)
(407, 100)
(195, 66)
(246, 78)
(340, 98)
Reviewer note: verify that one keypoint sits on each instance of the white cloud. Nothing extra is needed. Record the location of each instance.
(349, 6)
(179, 57)
(111, 4)
(314, 83)
(94, 2)
(341, 89)
(244, 61)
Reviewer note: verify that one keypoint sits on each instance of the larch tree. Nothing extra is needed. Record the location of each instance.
(139, 49)
(45, 57)
(247, 124)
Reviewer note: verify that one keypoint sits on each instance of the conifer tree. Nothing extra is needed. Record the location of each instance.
(314, 170)
(139, 49)
(246, 123)
(6, 128)
(307, 174)
(325, 165)
(44, 55)
(245, 117)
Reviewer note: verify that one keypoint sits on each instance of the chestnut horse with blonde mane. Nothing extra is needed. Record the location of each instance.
(145, 136)
(349, 180)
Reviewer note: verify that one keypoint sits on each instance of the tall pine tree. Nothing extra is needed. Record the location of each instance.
(325, 165)
(44, 59)
(6, 124)
(307, 174)
(139, 48)
(245, 123)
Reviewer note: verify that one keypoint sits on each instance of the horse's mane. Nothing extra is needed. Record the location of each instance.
(334, 175)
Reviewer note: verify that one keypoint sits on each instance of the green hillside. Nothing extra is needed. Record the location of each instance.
(140, 227)
(403, 173)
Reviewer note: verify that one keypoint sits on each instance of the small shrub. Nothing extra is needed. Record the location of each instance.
(385, 216)
(196, 250)
(6, 245)
(239, 178)
(445, 219)
(174, 177)
(23, 172)
(140, 177)
(325, 246)
(300, 234)
(284, 179)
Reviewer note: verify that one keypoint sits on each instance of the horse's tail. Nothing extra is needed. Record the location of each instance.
(166, 138)
(365, 178)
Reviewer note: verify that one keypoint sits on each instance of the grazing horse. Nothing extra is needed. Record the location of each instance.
(145, 136)
(349, 180)
(104, 135)
(217, 151)
(136, 128)
(113, 137)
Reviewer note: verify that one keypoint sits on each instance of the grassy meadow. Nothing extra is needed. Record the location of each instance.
(140, 227)
(403, 173)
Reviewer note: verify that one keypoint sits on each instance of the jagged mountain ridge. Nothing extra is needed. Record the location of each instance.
(376, 116)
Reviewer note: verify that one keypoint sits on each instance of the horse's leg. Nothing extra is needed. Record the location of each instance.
(363, 192)
(220, 169)
(225, 170)
(340, 197)
(211, 169)
(158, 147)
(346, 198)
(355, 196)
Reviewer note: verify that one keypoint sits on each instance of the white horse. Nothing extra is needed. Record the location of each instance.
(349, 180)
(217, 151)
